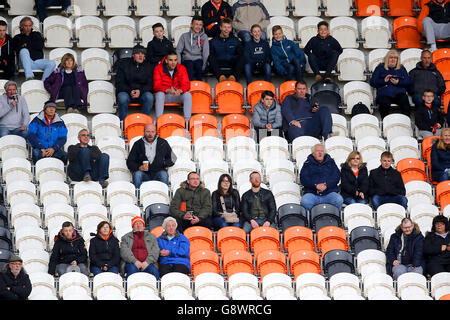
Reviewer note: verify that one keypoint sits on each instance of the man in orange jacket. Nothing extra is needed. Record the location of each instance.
(434, 20)
(171, 85)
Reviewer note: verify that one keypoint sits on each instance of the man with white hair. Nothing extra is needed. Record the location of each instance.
(14, 114)
(320, 177)
(14, 281)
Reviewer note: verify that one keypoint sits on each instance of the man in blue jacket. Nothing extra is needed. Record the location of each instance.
(47, 134)
(320, 177)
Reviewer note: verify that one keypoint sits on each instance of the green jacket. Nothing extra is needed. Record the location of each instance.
(198, 201)
(150, 242)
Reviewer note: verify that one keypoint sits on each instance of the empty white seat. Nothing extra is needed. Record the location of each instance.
(338, 147)
(73, 283)
(153, 192)
(90, 32)
(211, 170)
(30, 237)
(15, 24)
(175, 283)
(179, 171)
(25, 214)
(286, 23)
(301, 148)
(358, 214)
(146, 8)
(145, 26)
(279, 170)
(440, 285)
(403, 147)
(339, 127)
(16, 169)
(306, 8)
(306, 29)
(106, 125)
(180, 7)
(371, 261)
(418, 192)
(57, 53)
(376, 56)
(43, 286)
(178, 26)
(423, 214)
(286, 192)
(336, 8)
(277, 286)
(273, 147)
(87, 193)
(375, 31)
(181, 146)
(90, 215)
(396, 125)
(142, 285)
(363, 125)
(345, 30)
(209, 284)
(54, 192)
(118, 170)
(310, 285)
(241, 147)
(116, 7)
(113, 146)
(101, 97)
(21, 8)
(57, 32)
(243, 168)
(21, 192)
(120, 192)
(49, 169)
(35, 260)
(409, 58)
(35, 95)
(86, 7)
(344, 283)
(379, 286)
(107, 283)
(412, 286)
(208, 147)
(57, 213)
(389, 217)
(96, 64)
(121, 32)
(243, 284)
(351, 65)
(371, 148)
(355, 92)
(122, 214)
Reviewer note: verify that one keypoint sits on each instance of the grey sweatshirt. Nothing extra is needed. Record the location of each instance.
(192, 47)
(13, 117)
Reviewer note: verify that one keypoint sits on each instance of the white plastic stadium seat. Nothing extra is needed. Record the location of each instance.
(356, 215)
(364, 125)
(30, 237)
(211, 170)
(339, 127)
(344, 284)
(52, 192)
(57, 53)
(279, 170)
(116, 7)
(49, 169)
(345, 30)
(181, 146)
(301, 149)
(142, 286)
(440, 285)
(145, 26)
(113, 146)
(422, 212)
(101, 97)
(21, 192)
(148, 8)
(87, 193)
(277, 286)
(175, 283)
(396, 125)
(179, 171)
(35, 95)
(208, 147)
(276, 7)
(16, 169)
(351, 65)
(73, 283)
(106, 284)
(90, 32)
(25, 214)
(241, 147)
(376, 56)
(389, 217)
(286, 23)
(209, 285)
(179, 25)
(57, 213)
(180, 7)
(355, 92)
(371, 261)
(371, 148)
(15, 24)
(379, 286)
(96, 64)
(57, 32)
(285, 192)
(86, 7)
(35, 260)
(120, 192)
(242, 285)
(90, 215)
(335, 8)
(122, 214)
(412, 286)
(403, 147)
(106, 125)
(306, 8)
(311, 286)
(24, 7)
(306, 29)
(338, 147)
(273, 147)
(242, 170)
(43, 286)
(376, 33)
(153, 192)
(121, 32)
(409, 58)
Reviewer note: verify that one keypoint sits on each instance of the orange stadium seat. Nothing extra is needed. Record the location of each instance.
(331, 238)
(368, 7)
(204, 261)
(406, 33)
(445, 98)
(285, 89)
(304, 261)
(443, 193)
(157, 231)
(231, 238)
(255, 89)
(412, 169)
(133, 124)
(201, 238)
(298, 238)
(234, 125)
(445, 297)
(171, 124)
(427, 143)
(398, 8)
(201, 97)
(271, 261)
(264, 238)
(229, 96)
(203, 125)
(441, 58)
(236, 261)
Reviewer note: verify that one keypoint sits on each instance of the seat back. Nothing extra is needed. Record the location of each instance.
(331, 238)
(255, 89)
(234, 125)
(285, 89)
(229, 96)
(298, 238)
(292, 214)
(368, 7)
(203, 125)
(412, 169)
(236, 261)
(271, 261)
(363, 238)
(134, 124)
(406, 33)
(204, 261)
(322, 215)
(441, 58)
(327, 94)
(336, 261)
(201, 97)
(399, 8)
(171, 124)
(231, 238)
(264, 238)
(200, 238)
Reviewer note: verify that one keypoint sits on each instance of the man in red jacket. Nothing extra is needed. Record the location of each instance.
(172, 85)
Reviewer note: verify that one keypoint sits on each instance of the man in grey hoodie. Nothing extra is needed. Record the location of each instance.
(14, 114)
(193, 49)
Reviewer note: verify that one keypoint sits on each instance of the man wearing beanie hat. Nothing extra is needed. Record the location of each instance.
(47, 134)
(134, 82)
(139, 249)
(14, 281)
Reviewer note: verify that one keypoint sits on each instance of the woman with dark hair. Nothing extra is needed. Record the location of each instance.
(354, 179)
(104, 252)
(68, 82)
(225, 204)
(440, 157)
(436, 246)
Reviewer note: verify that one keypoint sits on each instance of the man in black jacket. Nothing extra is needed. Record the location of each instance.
(134, 83)
(386, 184)
(212, 13)
(7, 61)
(14, 281)
(428, 117)
(150, 157)
(29, 45)
(258, 206)
(159, 46)
(69, 252)
(87, 162)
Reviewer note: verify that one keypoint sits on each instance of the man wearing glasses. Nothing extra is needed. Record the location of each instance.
(14, 281)
(87, 162)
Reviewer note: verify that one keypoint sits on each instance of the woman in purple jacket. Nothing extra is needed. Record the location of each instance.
(68, 82)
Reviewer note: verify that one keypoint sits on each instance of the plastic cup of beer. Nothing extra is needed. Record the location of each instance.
(145, 163)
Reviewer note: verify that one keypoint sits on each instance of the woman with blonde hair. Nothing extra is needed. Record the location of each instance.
(68, 82)
(391, 80)
(354, 179)
(440, 157)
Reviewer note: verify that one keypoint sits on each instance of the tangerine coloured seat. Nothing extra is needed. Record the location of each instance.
(427, 144)
(441, 58)
(271, 261)
(368, 7)
(445, 98)
(412, 169)
(443, 193)
(204, 261)
(398, 8)
(264, 238)
(231, 238)
(229, 96)
(234, 125)
(331, 238)
(171, 124)
(255, 89)
(285, 89)
(200, 238)
(133, 124)
(201, 125)
(445, 297)
(201, 97)
(297, 238)
(235, 261)
(157, 231)
(406, 33)
(304, 261)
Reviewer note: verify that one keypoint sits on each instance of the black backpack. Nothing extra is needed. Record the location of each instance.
(359, 108)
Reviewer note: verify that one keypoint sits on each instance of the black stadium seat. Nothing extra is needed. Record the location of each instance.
(292, 214)
(364, 237)
(5, 239)
(336, 261)
(323, 215)
(155, 215)
(3, 217)
(327, 94)
(4, 257)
